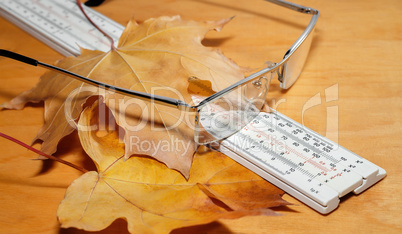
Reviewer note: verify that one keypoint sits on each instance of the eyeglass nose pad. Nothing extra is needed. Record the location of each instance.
(269, 64)
(258, 84)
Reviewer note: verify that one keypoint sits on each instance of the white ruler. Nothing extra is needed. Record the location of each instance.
(303, 163)
(60, 24)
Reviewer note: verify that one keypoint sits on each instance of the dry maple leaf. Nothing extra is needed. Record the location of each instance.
(157, 57)
(153, 198)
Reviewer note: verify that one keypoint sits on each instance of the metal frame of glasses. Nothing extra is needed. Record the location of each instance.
(288, 70)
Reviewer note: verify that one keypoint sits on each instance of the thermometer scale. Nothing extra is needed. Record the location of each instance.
(301, 162)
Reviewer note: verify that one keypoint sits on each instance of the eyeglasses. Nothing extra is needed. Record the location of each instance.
(225, 112)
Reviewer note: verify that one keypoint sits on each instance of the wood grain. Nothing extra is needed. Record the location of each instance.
(355, 58)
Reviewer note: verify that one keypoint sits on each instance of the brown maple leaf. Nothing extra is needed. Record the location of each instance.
(156, 57)
(153, 198)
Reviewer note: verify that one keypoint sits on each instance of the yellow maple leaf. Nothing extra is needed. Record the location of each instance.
(153, 198)
(156, 57)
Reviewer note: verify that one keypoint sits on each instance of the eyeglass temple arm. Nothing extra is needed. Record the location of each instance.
(136, 94)
(295, 7)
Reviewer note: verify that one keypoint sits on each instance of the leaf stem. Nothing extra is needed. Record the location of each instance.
(96, 26)
(43, 154)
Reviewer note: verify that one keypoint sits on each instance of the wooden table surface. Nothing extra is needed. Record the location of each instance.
(355, 62)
